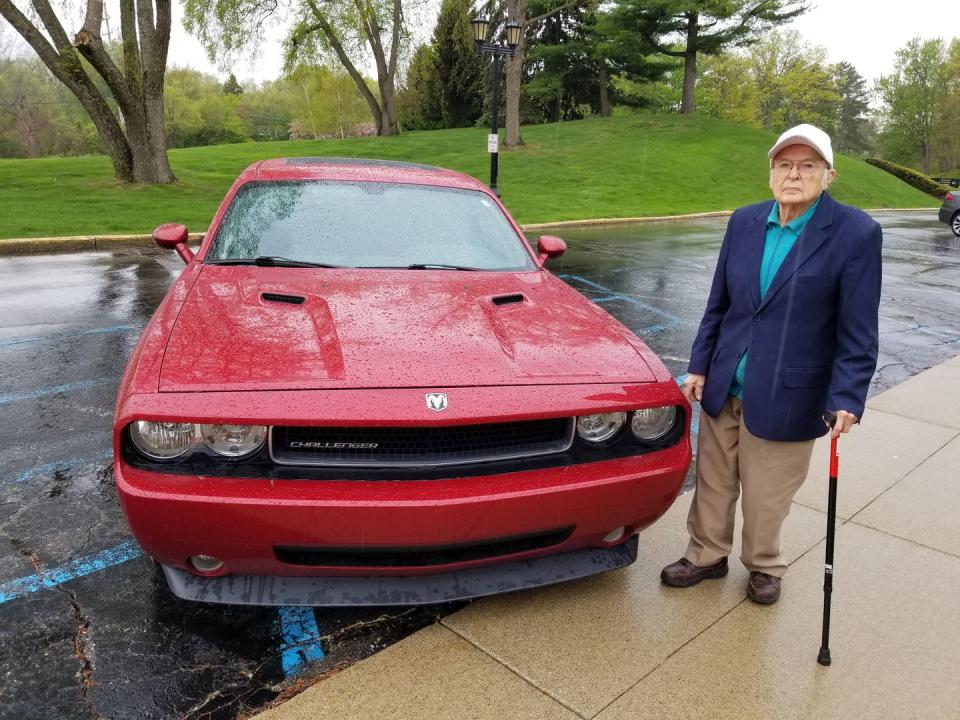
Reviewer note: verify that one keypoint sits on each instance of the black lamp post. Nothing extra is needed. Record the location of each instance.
(514, 28)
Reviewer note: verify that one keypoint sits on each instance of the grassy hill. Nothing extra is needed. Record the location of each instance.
(627, 166)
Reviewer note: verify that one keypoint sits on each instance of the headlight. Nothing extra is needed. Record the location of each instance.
(233, 441)
(600, 428)
(653, 423)
(162, 440)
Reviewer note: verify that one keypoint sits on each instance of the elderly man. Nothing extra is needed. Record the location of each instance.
(789, 332)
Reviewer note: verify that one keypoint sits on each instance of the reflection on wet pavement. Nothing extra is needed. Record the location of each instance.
(86, 623)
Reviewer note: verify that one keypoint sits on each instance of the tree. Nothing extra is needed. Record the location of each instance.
(137, 146)
(562, 75)
(345, 29)
(232, 87)
(38, 115)
(458, 65)
(727, 89)
(198, 112)
(419, 99)
(705, 26)
(910, 96)
(514, 70)
(329, 105)
(793, 83)
(945, 155)
(854, 129)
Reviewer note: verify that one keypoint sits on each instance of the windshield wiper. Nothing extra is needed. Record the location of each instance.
(273, 261)
(438, 266)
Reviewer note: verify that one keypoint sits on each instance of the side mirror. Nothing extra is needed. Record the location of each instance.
(173, 236)
(550, 246)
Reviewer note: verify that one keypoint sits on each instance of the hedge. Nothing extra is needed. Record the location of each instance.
(912, 177)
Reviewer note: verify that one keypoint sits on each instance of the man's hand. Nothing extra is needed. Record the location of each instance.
(845, 421)
(693, 387)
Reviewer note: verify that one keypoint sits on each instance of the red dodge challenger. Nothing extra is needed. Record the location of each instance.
(365, 388)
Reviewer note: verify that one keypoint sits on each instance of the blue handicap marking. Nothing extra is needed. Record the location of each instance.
(65, 336)
(301, 639)
(672, 321)
(55, 390)
(13, 589)
(62, 465)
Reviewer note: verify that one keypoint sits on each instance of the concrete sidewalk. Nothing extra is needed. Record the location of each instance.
(622, 645)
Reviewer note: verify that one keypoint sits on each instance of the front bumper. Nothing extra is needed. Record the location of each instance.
(422, 590)
(243, 522)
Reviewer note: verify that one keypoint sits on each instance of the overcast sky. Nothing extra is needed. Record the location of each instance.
(862, 32)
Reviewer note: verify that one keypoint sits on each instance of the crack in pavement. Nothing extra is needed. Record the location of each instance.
(82, 647)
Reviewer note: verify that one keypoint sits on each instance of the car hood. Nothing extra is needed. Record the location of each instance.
(258, 328)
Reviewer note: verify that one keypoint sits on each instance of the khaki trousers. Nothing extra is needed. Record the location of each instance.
(729, 458)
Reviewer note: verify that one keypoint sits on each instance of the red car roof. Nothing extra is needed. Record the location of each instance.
(357, 169)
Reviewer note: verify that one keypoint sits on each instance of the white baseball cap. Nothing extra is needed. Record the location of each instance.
(805, 134)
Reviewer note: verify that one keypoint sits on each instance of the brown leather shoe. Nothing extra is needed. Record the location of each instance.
(763, 588)
(684, 573)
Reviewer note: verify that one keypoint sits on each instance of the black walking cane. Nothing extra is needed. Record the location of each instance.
(830, 418)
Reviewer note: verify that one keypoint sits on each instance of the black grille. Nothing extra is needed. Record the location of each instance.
(394, 446)
(420, 556)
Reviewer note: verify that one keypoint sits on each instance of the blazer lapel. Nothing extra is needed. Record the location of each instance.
(756, 236)
(810, 240)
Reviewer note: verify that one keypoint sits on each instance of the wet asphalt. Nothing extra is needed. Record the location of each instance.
(87, 627)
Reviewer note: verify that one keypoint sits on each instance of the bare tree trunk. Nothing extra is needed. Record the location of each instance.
(388, 105)
(138, 149)
(690, 65)
(514, 72)
(605, 110)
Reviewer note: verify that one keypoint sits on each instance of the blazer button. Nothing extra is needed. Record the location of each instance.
(756, 318)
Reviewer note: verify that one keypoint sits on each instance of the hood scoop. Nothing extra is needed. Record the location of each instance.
(281, 298)
(509, 299)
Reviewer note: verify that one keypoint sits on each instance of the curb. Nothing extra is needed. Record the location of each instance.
(81, 243)
(75, 243)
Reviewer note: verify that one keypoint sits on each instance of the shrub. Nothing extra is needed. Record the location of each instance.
(912, 177)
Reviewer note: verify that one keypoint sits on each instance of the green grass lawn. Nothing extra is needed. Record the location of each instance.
(628, 166)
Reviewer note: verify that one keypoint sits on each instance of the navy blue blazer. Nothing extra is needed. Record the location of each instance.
(812, 339)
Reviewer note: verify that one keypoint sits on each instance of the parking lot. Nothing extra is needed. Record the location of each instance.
(87, 626)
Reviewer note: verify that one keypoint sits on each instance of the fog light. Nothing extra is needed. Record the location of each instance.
(206, 563)
(615, 535)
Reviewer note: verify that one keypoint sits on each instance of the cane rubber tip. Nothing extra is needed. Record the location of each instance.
(824, 657)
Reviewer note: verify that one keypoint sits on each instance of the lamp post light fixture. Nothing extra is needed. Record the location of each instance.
(498, 51)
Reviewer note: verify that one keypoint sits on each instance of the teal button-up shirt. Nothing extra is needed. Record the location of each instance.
(777, 243)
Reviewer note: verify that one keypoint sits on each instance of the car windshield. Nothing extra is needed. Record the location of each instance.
(367, 224)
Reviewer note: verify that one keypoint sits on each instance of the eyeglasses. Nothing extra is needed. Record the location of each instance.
(806, 167)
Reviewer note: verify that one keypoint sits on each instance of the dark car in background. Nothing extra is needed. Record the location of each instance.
(950, 212)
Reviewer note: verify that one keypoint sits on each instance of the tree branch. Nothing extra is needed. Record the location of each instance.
(48, 54)
(395, 37)
(52, 24)
(659, 48)
(324, 26)
(131, 48)
(538, 18)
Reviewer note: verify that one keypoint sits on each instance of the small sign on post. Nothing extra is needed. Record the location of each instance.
(493, 143)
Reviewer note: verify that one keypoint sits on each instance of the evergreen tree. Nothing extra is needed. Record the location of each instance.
(458, 66)
(853, 122)
(419, 99)
(232, 87)
(706, 26)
